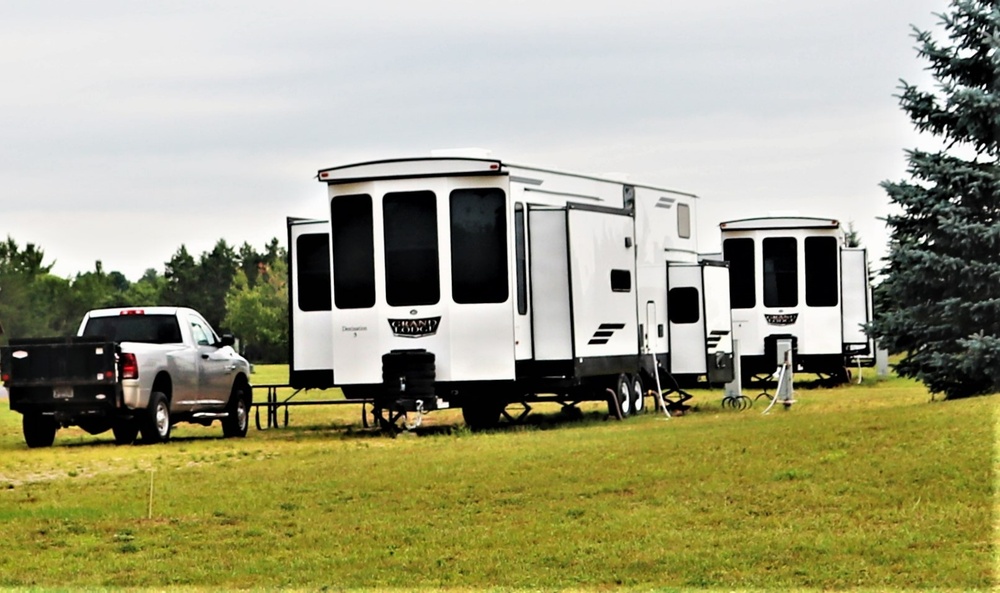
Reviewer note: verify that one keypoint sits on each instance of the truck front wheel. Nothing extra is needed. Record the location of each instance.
(237, 420)
(39, 430)
(156, 425)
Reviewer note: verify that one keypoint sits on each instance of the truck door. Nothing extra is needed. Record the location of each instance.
(215, 370)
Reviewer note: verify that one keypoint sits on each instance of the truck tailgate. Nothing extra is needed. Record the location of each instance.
(70, 371)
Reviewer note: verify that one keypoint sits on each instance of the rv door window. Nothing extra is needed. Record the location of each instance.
(312, 261)
(621, 281)
(353, 251)
(683, 305)
(742, 287)
(479, 245)
(411, 248)
(781, 273)
(822, 254)
(522, 260)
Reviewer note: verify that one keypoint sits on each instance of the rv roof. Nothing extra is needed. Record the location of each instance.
(444, 166)
(418, 167)
(779, 222)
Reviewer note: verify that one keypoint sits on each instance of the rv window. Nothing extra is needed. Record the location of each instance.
(683, 221)
(621, 281)
(781, 273)
(411, 249)
(821, 272)
(742, 286)
(683, 305)
(353, 251)
(479, 271)
(312, 263)
(522, 261)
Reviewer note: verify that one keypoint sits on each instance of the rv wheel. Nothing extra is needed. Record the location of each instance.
(482, 415)
(638, 394)
(620, 397)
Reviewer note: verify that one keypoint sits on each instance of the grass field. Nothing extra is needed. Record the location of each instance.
(869, 486)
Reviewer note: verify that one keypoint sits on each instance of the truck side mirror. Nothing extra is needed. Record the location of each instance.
(227, 340)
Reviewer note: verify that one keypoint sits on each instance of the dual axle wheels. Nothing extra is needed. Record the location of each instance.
(627, 396)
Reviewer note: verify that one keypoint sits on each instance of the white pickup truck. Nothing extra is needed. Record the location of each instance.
(133, 371)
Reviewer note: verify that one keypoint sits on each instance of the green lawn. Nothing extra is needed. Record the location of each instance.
(869, 486)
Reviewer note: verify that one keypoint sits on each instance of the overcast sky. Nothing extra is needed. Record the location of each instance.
(129, 128)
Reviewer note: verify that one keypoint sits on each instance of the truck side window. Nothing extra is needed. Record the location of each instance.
(201, 335)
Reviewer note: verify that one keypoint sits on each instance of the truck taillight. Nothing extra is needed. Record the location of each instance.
(5, 377)
(132, 312)
(130, 368)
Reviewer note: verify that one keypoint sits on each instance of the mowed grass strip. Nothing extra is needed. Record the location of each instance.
(867, 486)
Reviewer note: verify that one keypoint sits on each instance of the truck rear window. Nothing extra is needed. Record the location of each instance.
(151, 329)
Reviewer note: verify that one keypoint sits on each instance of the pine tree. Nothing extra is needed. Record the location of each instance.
(939, 304)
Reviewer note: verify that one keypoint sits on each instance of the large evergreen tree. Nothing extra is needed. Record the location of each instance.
(939, 304)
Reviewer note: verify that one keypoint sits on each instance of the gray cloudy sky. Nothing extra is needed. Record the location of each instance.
(129, 128)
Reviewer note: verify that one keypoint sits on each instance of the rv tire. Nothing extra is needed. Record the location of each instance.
(620, 397)
(483, 415)
(638, 394)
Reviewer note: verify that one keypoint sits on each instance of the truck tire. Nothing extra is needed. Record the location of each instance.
(237, 421)
(155, 427)
(39, 430)
(125, 431)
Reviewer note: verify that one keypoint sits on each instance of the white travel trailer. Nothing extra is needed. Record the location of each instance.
(474, 283)
(794, 278)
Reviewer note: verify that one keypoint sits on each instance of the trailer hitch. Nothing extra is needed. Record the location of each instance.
(419, 412)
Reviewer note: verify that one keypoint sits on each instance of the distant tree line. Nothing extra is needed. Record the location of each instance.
(243, 291)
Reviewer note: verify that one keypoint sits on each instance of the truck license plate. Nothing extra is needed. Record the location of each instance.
(62, 392)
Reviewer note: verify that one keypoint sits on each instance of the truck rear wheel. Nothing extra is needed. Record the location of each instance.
(237, 421)
(39, 430)
(125, 431)
(155, 426)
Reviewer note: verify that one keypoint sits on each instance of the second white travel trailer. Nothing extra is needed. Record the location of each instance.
(474, 283)
(794, 278)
